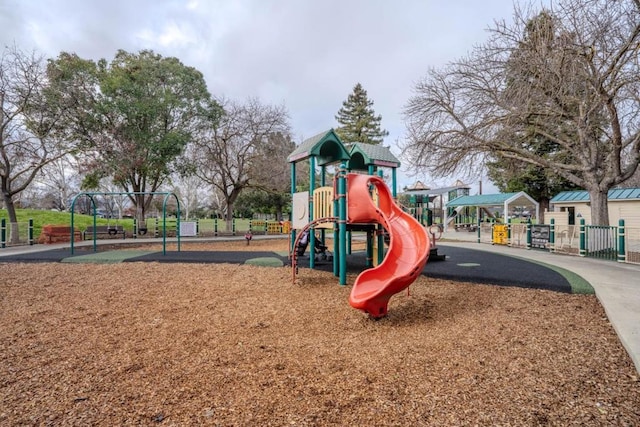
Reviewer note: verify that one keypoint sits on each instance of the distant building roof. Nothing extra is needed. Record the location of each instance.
(583, 195)
(419, 185)
(485, 200)
(435, 191)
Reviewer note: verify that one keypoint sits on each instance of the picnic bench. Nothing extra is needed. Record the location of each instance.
(109, 230)
(52, 233)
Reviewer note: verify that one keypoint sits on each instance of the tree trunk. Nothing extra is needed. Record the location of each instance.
(544, 206)
(229, 216)
(141, 213)
(230, 199)
(599, 207)
(14, 232)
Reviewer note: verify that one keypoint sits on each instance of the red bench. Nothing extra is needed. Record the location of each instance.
(58, 234)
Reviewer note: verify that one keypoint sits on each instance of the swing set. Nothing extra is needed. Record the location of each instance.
(142, 229)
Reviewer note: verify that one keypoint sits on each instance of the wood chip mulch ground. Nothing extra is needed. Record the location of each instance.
(219, 344)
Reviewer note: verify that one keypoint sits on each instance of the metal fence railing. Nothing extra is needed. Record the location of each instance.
(15, 233)
(601, 242)
(632, 245)
(615, 243)
(240, 226)
(604, 242)
(485, 232)
(518, 235)
(567, 239)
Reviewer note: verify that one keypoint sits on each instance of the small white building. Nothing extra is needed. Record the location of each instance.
(569, 206)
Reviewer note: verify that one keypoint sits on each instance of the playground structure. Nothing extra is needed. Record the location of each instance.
(444, 217)
(358, 202)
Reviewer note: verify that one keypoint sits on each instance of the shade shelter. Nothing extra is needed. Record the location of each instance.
(504, 202)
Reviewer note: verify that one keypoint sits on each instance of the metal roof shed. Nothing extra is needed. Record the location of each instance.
(624, 203)
(615, 194)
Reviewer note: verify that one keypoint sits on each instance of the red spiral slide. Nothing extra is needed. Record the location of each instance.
(408, 247)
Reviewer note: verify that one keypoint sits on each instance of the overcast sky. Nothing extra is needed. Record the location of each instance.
(305, 54)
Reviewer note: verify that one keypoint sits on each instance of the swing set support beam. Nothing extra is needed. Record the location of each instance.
(167, 196)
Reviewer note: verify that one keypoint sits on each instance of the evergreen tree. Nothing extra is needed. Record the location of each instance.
(358, 122)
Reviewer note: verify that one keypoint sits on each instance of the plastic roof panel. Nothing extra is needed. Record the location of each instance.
(583, 196)
(499, 199)
(325, 146)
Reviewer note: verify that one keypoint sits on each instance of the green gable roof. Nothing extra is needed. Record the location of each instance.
(363, 155)
(499, 199)
(583, 196)
(326, 147)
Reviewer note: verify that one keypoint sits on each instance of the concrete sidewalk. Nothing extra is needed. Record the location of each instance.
(617, 285)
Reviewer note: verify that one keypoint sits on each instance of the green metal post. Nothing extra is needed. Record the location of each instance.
(95, 227)
(3, 233)
(583, 239)
(233, 226)
(509, 231)
(478, 222)
(312, 188)
(164, 231)
(370, 235)
(394, 183)
(336, 237)
(380, 174)
(552, 235)
(529, 234)
(177, 218)
(164, 222)
(323, 182)
(215, 226)
(342, 223)
(492, 234)
(622, 254)
(31, 232)
(292, 240)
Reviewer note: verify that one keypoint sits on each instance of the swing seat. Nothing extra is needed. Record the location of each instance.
(109, 230)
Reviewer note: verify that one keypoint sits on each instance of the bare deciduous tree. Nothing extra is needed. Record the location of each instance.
(225, 156)
(28, 139)
(271, 173)
(191, 192)
(62, 180)
(572, 81)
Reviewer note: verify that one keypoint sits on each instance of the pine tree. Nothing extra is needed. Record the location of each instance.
(358, 120)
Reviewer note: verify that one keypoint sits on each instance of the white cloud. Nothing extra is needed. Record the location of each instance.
(305, 54)
(172, 35)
